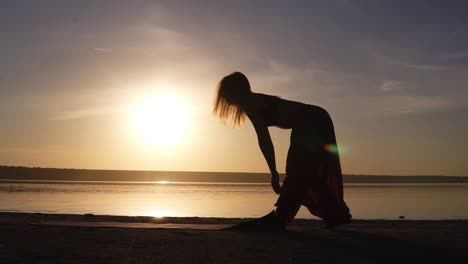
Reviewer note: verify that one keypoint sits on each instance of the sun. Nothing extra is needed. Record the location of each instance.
(160, 120)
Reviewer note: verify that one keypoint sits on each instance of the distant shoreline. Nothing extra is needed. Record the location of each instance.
(56, 174)
(110, 182)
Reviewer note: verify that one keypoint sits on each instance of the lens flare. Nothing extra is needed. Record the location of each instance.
(334, 149)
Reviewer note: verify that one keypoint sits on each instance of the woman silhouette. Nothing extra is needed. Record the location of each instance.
(313, 171)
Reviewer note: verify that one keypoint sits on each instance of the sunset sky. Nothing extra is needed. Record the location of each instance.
(76, 79)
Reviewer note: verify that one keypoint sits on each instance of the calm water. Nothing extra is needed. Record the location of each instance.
(366, 201)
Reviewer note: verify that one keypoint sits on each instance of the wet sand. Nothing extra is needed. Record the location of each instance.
(48, 238)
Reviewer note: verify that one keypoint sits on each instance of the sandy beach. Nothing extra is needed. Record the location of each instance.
(49, 238)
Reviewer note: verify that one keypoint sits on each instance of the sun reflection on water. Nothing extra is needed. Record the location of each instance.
(163, 182)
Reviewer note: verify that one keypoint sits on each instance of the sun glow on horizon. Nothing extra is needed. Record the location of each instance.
(161, 120)
(161, 213)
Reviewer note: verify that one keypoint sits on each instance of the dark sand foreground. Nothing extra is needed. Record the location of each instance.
(38, 238)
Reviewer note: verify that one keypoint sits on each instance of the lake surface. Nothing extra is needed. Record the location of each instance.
(366, 201)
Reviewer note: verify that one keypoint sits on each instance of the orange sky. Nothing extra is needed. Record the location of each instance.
(73, 75)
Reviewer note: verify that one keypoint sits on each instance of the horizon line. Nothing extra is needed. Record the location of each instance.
(232, 172)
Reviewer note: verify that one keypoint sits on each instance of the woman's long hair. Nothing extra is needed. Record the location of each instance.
(229, 102)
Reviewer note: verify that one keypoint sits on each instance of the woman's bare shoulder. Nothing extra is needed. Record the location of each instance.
(255, 105)
(261, 100)
(252, 101)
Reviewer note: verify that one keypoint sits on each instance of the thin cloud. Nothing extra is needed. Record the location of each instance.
(417, 66)
(159, 37)
(86, 113)
(394, 105)
(275, 76)
(458, 55)
(423, 66)
(390, 86)
(408, 104)
(103, 49)
(39, 151)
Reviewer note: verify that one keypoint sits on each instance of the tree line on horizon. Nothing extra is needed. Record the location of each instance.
(64, 174)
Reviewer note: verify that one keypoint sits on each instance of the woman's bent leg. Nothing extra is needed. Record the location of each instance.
(316, 176)
(287, 205)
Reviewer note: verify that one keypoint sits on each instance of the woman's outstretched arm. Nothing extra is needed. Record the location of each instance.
(267, 148)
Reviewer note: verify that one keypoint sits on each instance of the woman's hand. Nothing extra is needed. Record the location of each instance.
(275, 184)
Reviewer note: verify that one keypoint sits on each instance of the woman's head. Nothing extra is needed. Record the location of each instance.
(229, 102)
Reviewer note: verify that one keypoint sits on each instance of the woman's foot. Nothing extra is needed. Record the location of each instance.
(335, 223)
(264, 223)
